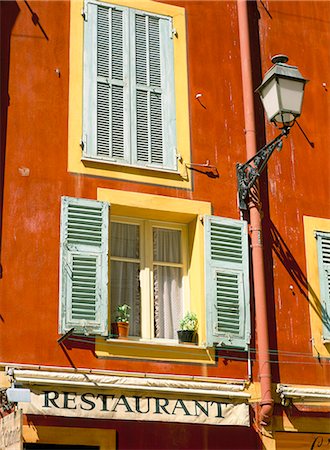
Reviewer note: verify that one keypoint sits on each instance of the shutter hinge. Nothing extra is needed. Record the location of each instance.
(84, 14)
(84, 327)
(174, 33)
(83, 143)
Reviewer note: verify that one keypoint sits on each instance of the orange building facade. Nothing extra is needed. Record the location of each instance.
(122, 124)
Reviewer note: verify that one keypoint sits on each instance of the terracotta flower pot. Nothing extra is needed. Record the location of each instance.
(123, 330)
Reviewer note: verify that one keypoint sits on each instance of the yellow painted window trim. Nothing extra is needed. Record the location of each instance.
(154, 351)
(179, 211)
(299, 433)
(104, 439)
(76, 163)
(154, 207)
(311, 225)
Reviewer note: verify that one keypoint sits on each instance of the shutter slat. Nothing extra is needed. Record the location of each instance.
(142, 126)
(141, 49)
(156, 128)
(226, 243)
(84, 289)
(103, 120)
(117, 45)
(102, 41)
(154, 52)
(228, 303)
(117, 125)
(84, 225)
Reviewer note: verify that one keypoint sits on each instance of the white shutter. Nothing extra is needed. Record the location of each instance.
(84, 266)
(227, 282)
(129, 97)
(152, 80)
(106, 90)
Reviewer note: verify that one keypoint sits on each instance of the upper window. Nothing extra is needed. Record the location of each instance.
(156, 267)
(129, 99)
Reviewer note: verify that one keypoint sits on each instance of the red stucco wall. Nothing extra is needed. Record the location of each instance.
(298, 182)
(34, 131)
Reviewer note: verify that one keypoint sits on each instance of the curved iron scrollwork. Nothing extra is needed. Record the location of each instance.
(249, 172)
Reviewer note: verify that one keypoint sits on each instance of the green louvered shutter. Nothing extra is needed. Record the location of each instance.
(323, 251)
(227, 282)
(152, 79)
(106, 88)
(84, 266)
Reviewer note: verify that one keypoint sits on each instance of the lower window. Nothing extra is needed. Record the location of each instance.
(149, 263)
(148, 273)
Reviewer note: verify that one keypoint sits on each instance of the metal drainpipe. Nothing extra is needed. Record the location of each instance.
(267, 402)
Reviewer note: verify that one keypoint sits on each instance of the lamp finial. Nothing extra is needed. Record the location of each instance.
(279, 59)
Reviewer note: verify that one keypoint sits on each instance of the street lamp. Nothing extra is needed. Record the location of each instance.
(281, 93)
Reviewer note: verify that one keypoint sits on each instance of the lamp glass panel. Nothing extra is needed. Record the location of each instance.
(269, 98)
(291, 94)
(284, 117)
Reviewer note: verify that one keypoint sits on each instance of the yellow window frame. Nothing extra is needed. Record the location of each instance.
(94, 168)
(104, 439)
(311, 225)
(160, 209)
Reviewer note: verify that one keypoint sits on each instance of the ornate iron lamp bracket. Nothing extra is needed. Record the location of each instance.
(249, 172)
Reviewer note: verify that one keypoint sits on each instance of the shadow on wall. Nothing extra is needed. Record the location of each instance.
(77, 342)
(9, 11)
(283, 253)
(296, 412)
(35, 19)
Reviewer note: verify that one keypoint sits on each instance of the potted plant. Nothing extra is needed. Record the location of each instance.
(122, 320)
(188, 328)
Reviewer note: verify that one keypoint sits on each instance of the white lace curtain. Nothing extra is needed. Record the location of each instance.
(167, 302)
(125, 284)
(168, 293)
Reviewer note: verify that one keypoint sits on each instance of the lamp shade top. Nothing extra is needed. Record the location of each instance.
(282, 70)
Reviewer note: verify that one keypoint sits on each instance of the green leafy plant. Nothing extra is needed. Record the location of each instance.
(123, 313)
(189, 322)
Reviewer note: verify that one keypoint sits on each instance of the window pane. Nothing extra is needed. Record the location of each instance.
(125, 288)
(125, 240)
(168, 301)
(167, 245)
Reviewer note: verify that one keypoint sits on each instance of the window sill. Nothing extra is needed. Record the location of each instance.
(159, 351)
(126, 167)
